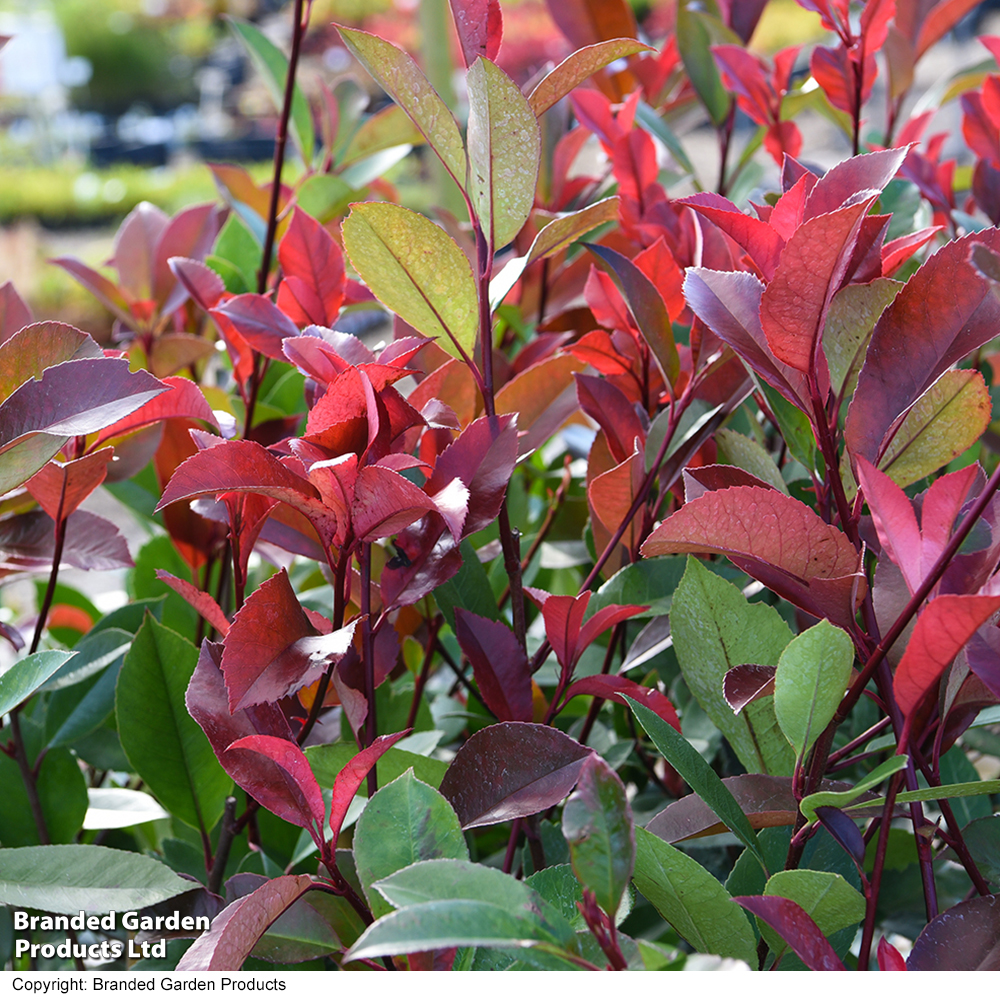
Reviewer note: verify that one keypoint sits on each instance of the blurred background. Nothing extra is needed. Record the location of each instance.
(105, 103)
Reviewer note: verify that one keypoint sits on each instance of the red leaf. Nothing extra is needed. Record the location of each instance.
(662, 269)
(833, 70)
(965, 938)
(941, 506)
(235, 931)
(812, 267)
(728, 303)
(940, 20)
(613, 411)
(563, 620)
(783, 139)
(208, 702)
(299, 801)
(245, 466)
(895, 522)
(188, 235)
(309, 254)
(896, 252)
(889, 958)
(766, 800)
(797, 928)
(484, 463)
(845, 181)
(184, 398)
(27, 542)
(499, 663)
(385, 502)
(203, 603)
(647, 307)
(745, 75)
(606, 618)
(510, 770)
(956, 311)
(759, 239)
(348, 781)
(14, 313)
(272, 649)
(613, 688)
(775, 538)
(135, 249)
(432, 558)
(945, 625)
(199, 281)
(76, 397)
(258, 321)
(747, 683)
(480, 28)
(103, 290)
(61, 487)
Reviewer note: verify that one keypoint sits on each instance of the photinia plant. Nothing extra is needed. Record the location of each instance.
(629, 601)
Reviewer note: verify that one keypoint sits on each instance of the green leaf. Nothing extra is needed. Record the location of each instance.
(886, 769)
(406, 821)
(960, 790)
(739, 450)
(74, 877)
(388, 128)
(28, 675)
(416, 270)
(164, 745)
(982, 837)
(809, 684)
(654, 124)
(560, 887)
(469, 589)
(448, 924)
(272, 65)
(849, 324)
(825, 896)
(329, 759)
(71, 717)
(94, 652)
(692, 900)
(62, 792)
(325, 196)
(794, 426)
(715, 629)
(448, 903)
(651, 582)
(398, 75)
(504, 152)
(956, 768)
(943, 423)
(597, 825)
(703, 780)
(694, 38)
(236, 245)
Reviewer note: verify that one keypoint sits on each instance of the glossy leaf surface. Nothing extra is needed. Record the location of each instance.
(691, 900)
(405, 822)
(162, 742)
(510, 770)
(597, 825)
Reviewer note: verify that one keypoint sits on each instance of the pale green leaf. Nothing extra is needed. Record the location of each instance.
(943, 423)
(809, 684)
(504, 152)
(739, 450)
(400, 77)
(417, 271)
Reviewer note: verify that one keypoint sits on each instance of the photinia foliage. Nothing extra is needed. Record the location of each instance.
(628, 601)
